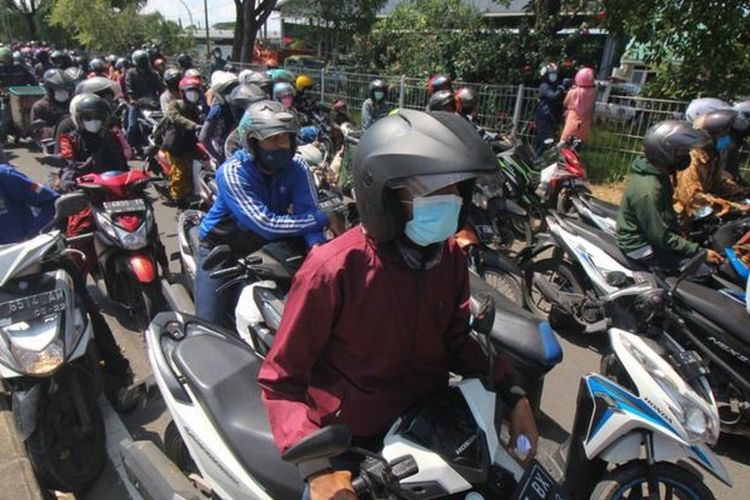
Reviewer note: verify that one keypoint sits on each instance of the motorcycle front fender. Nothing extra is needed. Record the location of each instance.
(141, 265)
(26, 409)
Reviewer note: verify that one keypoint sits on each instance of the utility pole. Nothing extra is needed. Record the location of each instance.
(208, 40)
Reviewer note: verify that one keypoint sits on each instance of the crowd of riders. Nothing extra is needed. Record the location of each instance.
(409, 193)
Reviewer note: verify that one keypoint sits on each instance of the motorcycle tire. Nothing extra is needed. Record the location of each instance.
(176, 449)
(632, 477)
(539, 306)
(65, 456)
(506, 284)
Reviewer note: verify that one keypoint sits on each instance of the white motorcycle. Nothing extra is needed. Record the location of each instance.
(623, 442)
(49, 368)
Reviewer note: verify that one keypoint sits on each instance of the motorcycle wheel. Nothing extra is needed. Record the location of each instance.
(65, 456)
(559, 273)
(506, 284)
(661, 480)
(176, 450)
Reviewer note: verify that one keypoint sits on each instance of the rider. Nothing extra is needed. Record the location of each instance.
(185, 62)
(264, 194)
(53, 107)
(25, 206)
(171, 93)
(11, 74)
(377, 319)
(219, 63)
(549, 108)
(374, 107)
(143, 86)
(647, 227)
(219, 119)
(43, 63)
(180, 140)
(704, 182)
(305, 102)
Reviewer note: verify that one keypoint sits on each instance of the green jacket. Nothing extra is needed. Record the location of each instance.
(646, 215)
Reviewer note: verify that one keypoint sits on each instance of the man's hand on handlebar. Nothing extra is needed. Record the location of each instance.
(332, 485)
(713, 257)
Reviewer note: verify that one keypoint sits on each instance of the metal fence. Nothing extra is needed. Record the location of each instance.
(617, 130)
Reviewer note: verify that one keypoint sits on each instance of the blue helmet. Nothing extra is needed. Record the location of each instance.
(307, 135)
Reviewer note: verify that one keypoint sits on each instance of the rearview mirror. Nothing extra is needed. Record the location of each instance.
(483, 313)
(219, 254)
(325, 443)
(70, 204)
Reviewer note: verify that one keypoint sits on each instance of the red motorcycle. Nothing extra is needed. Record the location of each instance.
(127, 242)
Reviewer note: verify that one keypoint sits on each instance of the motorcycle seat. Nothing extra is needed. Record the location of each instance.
(726, 313)
(601, 239)
(530, 343)
(221, 372)
(602, 208)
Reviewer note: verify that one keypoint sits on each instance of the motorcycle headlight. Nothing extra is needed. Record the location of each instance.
(132, 240)
(698, 417)
(35, 344)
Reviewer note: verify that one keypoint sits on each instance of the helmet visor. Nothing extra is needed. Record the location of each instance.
(422, 185)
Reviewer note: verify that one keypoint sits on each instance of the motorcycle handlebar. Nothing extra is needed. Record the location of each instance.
(227, 273)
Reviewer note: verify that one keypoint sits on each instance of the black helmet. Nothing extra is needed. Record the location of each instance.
(122, 63)
(716, 122)
(185, 61)
(98, 66)
(407, 145)
(141, 59)
(376, 85)
(58, 58)
(466, 101)
(667, 144)
(55, 79)
(442, 100)
(243, 96)
(172, 78)
(89, 107)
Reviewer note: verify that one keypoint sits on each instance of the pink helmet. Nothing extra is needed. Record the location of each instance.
(585, 77)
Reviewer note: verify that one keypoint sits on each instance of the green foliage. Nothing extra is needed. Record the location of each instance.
(422, 37)
(698, 47)
(99, 26)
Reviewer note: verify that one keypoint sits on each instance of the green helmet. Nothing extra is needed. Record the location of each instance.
(6, 54)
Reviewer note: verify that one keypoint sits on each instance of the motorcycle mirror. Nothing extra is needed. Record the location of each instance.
(70, 204)
(702, 212)
(483, 313)
(216, 256)
(691, 267)
(327, 442)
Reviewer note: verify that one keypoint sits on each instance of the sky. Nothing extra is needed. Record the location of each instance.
(218, 10)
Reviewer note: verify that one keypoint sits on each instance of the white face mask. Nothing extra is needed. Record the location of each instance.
(61, 95)
(553, 77)
(192, 96)
(93, 126)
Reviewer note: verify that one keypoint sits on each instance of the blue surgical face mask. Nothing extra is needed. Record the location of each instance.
(275, 160)
(435, 219)
(723, 143)
(553, 77)
(379, 95)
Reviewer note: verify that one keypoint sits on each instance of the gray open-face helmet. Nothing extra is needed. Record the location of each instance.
(716, 122)
(266, 119)
(667, 144)
(419, 151)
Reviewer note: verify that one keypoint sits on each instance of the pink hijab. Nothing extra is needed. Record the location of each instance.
(583, 95)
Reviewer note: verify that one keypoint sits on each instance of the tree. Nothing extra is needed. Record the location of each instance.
(697, 47)
(250, 16)
(101, 26)
(335, 22)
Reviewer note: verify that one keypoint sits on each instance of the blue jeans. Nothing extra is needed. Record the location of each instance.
(133, 132)
(545, 127)
(210, 305)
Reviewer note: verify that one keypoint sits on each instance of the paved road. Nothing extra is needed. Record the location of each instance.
(558, 403)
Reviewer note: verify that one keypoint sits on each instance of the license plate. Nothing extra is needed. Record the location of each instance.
(537, 484)
(32, 307)
(123, 206)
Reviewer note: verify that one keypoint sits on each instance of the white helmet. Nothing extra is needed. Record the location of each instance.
(222, 82)
(699, 107)
(548, 68)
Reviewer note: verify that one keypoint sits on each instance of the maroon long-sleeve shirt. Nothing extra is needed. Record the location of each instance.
(364, 337)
